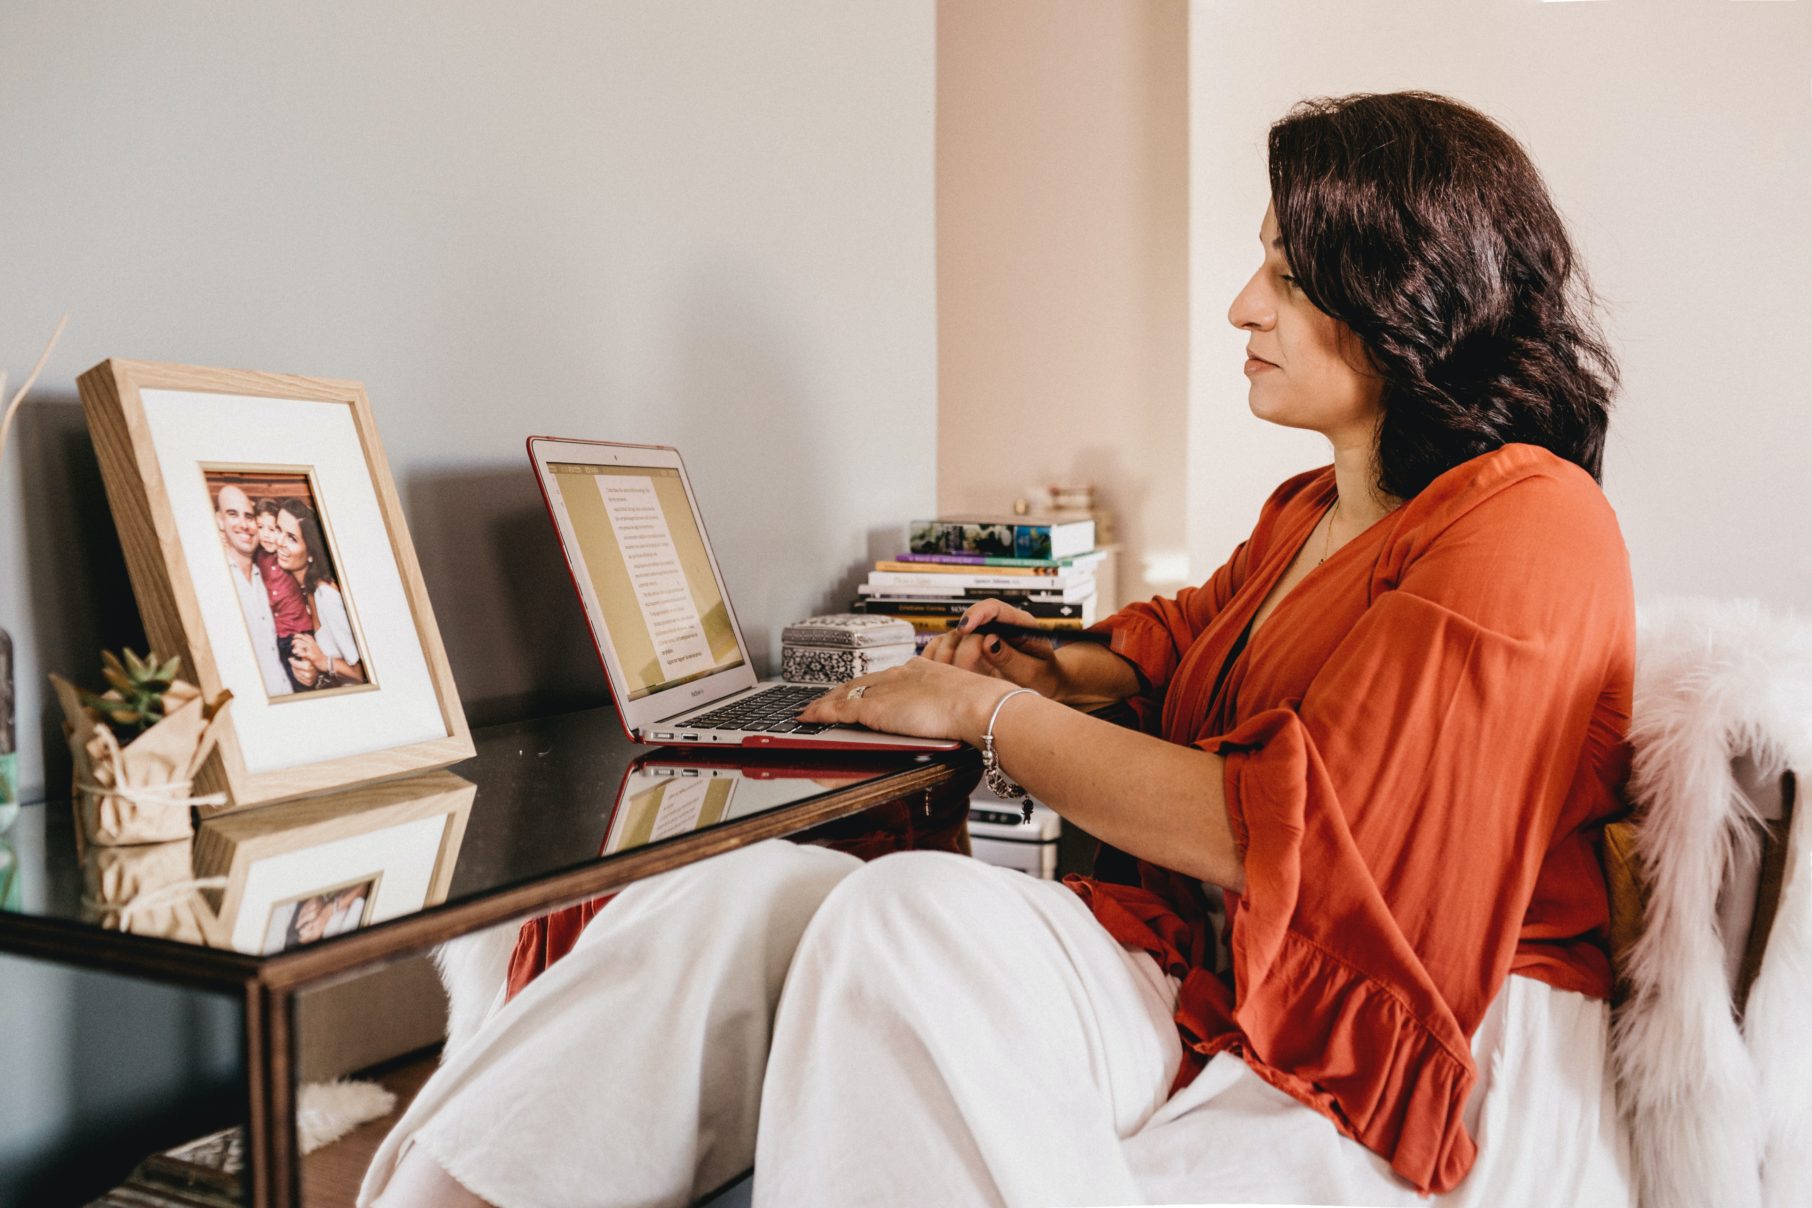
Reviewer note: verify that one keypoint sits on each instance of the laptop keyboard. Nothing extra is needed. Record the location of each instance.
(771, 710)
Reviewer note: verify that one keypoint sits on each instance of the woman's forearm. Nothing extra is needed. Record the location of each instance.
(1156, 800)
(1088, 674)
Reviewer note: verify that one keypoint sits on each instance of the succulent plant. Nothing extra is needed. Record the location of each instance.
(134, 700)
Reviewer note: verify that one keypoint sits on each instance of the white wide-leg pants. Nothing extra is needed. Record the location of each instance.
(927, 1029)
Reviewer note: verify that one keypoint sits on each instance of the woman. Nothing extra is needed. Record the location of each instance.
(1383, 737)
(328, 657)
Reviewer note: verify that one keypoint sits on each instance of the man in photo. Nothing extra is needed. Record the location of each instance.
(238, 526)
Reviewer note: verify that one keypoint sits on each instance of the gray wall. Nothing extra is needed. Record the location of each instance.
(705, 224)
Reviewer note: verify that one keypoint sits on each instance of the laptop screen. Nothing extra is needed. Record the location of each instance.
(655, 807)
(648, 570)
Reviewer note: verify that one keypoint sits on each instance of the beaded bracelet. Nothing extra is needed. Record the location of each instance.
(998, 782)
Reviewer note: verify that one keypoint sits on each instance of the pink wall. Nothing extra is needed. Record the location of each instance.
(1062, 262)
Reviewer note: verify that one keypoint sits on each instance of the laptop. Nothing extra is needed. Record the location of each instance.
(659, 612)
(667, 795)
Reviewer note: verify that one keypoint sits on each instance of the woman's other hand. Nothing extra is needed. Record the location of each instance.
(308, 662)
(1028, 662)
(303, 646)
(306, 673)
(311, 922)
(923, 697)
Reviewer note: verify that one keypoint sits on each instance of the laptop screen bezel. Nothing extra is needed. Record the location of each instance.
(638, 715)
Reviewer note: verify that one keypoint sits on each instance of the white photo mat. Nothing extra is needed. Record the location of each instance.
(402, 858)
(190, 429)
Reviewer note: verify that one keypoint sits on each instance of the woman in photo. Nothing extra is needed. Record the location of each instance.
(289, 607)
(1380, 743)
(331, 651)
(326, 915)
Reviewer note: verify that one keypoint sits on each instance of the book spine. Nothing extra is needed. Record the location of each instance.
(914, 564)
(957, 583)
(1043, 566)
(1084, 560)
(908, 606)
(972, 594)
(932, 626)
(1045, 542)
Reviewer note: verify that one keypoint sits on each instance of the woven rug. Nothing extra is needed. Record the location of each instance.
(204, 1173)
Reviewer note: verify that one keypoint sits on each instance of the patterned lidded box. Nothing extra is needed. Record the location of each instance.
(836, 648)
(847, 629)
(829, 665)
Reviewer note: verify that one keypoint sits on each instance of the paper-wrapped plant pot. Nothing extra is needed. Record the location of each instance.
(147, 889)
(140, 792)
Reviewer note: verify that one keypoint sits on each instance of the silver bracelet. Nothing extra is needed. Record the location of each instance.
(998, 782)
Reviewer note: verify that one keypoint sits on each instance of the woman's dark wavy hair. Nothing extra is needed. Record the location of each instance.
(1422, 225)
(319, 570)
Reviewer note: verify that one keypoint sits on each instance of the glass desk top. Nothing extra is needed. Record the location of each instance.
(542, 802)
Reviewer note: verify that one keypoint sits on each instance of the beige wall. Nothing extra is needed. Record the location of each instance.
(1677, 138)
(1062, 226)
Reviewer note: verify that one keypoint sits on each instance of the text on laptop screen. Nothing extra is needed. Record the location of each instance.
(673, 806)
(647, 567)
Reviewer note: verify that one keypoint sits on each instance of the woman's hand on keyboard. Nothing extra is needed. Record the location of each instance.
(923, 698)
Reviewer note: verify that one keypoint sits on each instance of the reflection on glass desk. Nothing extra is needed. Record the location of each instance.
(269, 903)
(669, 794)
(541, 798)
(275, 878)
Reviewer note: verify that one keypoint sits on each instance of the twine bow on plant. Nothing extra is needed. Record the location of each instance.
(151, 889)
(151, 899)
(137, 787)
(116, 796)
(118, 803)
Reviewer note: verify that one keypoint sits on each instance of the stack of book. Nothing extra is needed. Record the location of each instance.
(1045, 567)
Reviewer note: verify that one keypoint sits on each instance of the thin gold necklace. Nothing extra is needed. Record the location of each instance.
(1327, 545)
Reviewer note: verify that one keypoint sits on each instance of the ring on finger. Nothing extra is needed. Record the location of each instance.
(856, 691)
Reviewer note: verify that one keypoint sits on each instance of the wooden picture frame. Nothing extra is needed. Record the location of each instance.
(395, 845)
(170, 439)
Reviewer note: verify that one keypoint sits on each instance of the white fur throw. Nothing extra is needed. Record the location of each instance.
(1719, 1112)
(327, 1111)
(474, 971)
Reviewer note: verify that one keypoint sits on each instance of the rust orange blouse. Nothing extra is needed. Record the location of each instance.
(1423, 742)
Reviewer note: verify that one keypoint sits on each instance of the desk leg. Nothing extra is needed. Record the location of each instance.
(270, 1072)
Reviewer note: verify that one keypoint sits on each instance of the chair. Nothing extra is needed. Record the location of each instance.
(1711, 885)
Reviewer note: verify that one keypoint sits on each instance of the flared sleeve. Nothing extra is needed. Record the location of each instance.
(1154, 635)
(1394, 819)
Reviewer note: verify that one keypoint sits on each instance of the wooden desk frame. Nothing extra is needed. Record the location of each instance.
(267, 986)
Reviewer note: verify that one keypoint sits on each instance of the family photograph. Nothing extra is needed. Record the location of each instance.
(296, 609)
